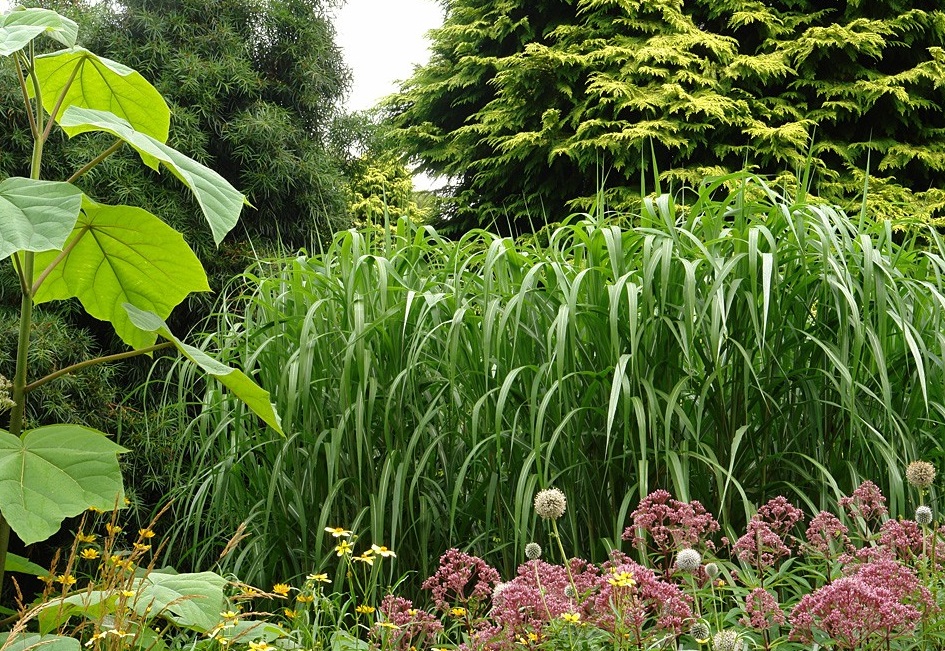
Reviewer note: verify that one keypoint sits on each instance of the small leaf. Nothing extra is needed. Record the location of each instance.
(104, 85)
(21, 26)
(16, 563)
(255, 397)
(220, 202)
(124, 254)
(55, 472)
(36, 215)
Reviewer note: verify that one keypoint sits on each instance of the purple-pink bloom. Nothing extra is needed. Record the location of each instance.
(762, 610)
(413, 626)
(827, 536)
(461, 578)
(867, 501)
(671, 524)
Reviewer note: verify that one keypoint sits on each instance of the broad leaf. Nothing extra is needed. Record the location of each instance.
(21, 26)
(55, 472)
(190, 600)
(90, 604)
(36, 215)
(255, 397)
(124, 255)
(102, 84)
(220, 202)
(36, 642)
(16, 563)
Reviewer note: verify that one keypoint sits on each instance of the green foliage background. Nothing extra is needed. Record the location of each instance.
(530, 105)
(734, 348)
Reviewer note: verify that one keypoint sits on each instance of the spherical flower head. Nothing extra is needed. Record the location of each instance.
(724, 641)
(923, 515)
(550, 503)
(532, 551)
(920, 474)
(688, 560)
(711, 570)
(700, 632)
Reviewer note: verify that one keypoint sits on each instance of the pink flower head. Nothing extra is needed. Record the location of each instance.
(762, 610)
(867, 501)
(880, 601)
(413, 626)
(902, 538)
(761, 546)
(827, 536)
(671, 524)
(461, 578)
(780, 515)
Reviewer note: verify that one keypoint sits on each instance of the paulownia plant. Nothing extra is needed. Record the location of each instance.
(122, 263)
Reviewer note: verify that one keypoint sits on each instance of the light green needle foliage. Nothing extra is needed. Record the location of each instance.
(729, 348)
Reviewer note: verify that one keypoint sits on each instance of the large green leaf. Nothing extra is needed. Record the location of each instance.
(124, 254)
(220, 202)
(36, 642)
(191, 600)
(55, 472)
(255, 397)
(16, 563)
(21, 26)
(36, 215)
(95, 82)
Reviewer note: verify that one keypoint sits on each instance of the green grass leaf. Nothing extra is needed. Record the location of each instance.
(220, 202)
(55, 472)
(123, 254)
(104, 85)
(36, 215)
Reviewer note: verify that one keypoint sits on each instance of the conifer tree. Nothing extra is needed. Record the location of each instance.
(527, 106)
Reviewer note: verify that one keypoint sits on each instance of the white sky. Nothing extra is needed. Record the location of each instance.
(382, 41)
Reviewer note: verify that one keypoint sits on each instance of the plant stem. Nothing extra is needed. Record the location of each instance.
(115, 146)
(91, 362)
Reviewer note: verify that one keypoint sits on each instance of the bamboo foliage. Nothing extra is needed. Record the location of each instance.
(729, 347)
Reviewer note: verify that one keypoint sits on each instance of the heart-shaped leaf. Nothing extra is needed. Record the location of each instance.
(55, 472)
(220, 202)
(36, 642)
(255, 397)
(191, 600)
(16, 563)
(36, 215)
(95, 82)
(123, 254)
(21, 26)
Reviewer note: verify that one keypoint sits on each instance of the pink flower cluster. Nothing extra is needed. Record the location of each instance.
(671, 524)
(461, 578)
(881, 600)
(762, 610)
(767, 538)
(828, 537)
(412, 627)
(866, 501)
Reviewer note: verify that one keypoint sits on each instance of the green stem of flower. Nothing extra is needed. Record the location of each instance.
(564, 557)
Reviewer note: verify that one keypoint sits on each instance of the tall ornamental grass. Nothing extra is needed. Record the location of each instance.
(727, 345)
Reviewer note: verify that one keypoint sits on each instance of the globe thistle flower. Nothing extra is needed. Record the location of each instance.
(569, 592)
(700, 632)
(498, 589)
(923, 515)
(688, 560)
(550, 503)
(532, 551)
(920, 474)
(6, 388)
(724, 641)
(711, 570)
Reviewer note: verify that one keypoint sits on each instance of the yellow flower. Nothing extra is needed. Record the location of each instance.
(281, 589)
(128, 593)
(344, 547)
(364, 610)
(413, 612)
(318, 578)
(622, 580)
(65, 579)
(229, 614)
(145, 533)
(260, 646)
(571, 618)
(338, 532)
(86, 537)
(366, 557)
(381, 550)
(288, 612)
(457, 612)
(89, 553)
(305, 598)
(141, 548)
(392, 626)
(112, 529)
